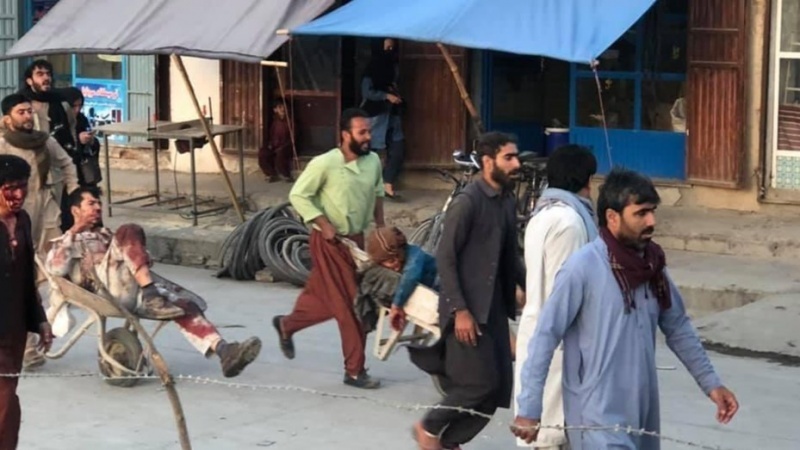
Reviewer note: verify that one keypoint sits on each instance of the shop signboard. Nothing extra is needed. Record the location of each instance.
(104, 101)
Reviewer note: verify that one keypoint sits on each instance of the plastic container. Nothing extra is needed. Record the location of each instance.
(555, 138)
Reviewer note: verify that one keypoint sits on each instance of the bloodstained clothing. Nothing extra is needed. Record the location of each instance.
(20, 312)
(105, 263)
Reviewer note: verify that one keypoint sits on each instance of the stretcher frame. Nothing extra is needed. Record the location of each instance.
(422, 318)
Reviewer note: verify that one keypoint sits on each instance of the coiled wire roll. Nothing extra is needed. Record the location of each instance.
(274, 239)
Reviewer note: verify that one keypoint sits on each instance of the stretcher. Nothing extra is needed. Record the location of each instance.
(121, 356)
(422, 318)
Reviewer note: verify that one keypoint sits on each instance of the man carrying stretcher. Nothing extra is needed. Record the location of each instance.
(117, 265)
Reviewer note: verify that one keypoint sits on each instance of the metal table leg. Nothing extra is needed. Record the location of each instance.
(194, 187)
(241, 166)
(108, 174)
(155, 164)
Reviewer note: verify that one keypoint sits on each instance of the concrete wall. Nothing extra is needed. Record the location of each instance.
(205, 77)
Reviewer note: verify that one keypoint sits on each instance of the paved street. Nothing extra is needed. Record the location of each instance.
(85, 413)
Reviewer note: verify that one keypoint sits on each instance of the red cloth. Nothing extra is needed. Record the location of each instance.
(329, 294)
(276, 158)
(11, 354)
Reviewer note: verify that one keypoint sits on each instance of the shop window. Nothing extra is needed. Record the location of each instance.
(618, 100)
(98, 67)
(788, 78)
(785, 103)
(642, 75)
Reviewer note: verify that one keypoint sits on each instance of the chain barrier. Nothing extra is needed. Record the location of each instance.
(399, 406)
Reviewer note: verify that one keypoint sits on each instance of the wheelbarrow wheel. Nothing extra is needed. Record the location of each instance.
(440, 383)
(124, 347)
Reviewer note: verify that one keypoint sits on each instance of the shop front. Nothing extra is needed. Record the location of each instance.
(116, 88)
(639, 93)
(784, 103)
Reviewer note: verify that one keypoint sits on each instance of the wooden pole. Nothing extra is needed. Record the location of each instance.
(163, 372)
(476, 118)
(289, 118)
(178, 61)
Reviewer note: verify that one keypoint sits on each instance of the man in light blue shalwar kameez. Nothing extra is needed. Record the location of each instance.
(605, 306)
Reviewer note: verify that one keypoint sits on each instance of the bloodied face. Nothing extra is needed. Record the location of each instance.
(12, 196)
(89, 212)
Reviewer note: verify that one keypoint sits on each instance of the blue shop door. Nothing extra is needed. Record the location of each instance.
(523, 95)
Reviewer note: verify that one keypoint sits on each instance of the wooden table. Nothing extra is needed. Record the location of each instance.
(178, 131)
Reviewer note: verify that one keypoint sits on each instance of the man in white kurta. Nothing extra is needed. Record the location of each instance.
(562, 222)
(606, 304)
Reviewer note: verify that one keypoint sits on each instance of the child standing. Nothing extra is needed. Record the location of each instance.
(275, 160)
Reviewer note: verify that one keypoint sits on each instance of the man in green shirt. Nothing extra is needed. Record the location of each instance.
(339, 193)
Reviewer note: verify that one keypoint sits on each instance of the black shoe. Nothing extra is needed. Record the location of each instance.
(234, 356)
(156, 307)
(362, 381)
(286, 345)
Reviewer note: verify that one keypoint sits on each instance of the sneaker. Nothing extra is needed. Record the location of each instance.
(157, 307)
(286, 344)
(32, 358)
(235, 356)
(362, 381)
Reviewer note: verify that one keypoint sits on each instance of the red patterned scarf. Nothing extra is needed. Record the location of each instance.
(632, 269)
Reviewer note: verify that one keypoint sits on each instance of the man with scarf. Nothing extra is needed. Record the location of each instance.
(479, 270)
(52, 114)
(562, 222)
(340, 193)
(606, 304)
(51, 170)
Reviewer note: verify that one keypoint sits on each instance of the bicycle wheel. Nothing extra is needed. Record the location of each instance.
(420, 234)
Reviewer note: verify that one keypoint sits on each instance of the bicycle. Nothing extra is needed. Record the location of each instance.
(532, 182)
(429, 232)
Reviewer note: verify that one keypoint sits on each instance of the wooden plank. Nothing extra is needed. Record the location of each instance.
(241, 102)
(716, 95)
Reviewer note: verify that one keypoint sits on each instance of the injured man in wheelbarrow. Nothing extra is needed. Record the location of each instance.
(117, 265)
(398, 268)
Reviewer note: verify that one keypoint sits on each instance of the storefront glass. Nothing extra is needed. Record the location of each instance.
(785, 109)
(642, 90)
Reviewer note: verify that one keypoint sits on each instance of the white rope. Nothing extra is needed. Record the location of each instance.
(399, 406)
(594, 65)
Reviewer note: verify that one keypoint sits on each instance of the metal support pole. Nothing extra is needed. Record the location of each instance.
(108, 174)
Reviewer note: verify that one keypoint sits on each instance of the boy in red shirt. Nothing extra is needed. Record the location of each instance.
(276, 159)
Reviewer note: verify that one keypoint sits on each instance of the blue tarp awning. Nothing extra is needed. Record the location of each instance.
(570, 30)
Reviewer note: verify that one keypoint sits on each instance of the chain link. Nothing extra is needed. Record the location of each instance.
(399, 406)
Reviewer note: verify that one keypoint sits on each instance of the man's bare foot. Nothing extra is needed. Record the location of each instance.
(425, 440)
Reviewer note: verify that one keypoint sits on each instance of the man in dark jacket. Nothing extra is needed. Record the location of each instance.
(20, 309)
(53, 114)
(479, 270)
